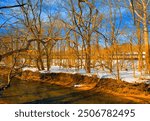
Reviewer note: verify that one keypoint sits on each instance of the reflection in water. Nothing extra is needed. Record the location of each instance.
(25, 91)
(37, 92)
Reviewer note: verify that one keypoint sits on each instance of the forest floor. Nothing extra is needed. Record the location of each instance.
(105, 90)
(125, 75)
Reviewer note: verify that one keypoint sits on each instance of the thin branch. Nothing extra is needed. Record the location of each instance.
(13, 6)
(28, 45)
(134, 11)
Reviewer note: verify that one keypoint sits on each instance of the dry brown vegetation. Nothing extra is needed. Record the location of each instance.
(78, 34)
(137, 92)
(86, 82)
(111, 86)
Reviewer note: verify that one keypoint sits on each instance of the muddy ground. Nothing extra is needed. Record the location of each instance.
(100, 90)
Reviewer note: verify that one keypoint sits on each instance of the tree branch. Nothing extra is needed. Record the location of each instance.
(18, 50)
(13, 6)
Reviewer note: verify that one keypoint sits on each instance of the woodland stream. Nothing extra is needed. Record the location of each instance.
(30, 92)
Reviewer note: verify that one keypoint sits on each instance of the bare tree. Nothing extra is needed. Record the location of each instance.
(85, 23)
(140, 10)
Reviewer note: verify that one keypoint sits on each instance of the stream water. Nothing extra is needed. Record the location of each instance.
(29, 92)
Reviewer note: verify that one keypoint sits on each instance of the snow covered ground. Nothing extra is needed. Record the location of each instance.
(127, 76)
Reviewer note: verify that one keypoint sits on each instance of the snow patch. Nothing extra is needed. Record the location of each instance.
(127, 76)
(78, 85)
(30, 69)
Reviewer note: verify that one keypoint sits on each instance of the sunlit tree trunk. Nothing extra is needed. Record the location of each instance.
(146, 37)
(140, 58)
(140, 9)
(88, 57)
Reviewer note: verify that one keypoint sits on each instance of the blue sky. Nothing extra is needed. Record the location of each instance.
(52, 5)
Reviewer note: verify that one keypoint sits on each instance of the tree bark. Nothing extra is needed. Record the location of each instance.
(88, 56)
(146, 38)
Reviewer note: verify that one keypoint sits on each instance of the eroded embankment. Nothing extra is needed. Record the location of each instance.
(68, 80)
(85, 82)
(139, 92)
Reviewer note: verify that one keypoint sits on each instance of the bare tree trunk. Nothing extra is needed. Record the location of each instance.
(40, 57)
(47, 59)
(88, 57)
(142, 6)
(132, 59)
(138, 33)
(146, 40)
(117, 62)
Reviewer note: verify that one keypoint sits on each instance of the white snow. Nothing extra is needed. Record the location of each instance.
(124, 75)
(30, 69)
(76, 85)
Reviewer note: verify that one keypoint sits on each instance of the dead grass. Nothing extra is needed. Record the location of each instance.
(70, 80)
(87, 83)
(29, 75)
(4, 71)
(3, 102)
(139, 92)
(121, 87)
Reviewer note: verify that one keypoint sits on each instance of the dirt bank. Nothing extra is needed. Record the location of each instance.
(83, 82)
(138, 92)
(4, 71)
